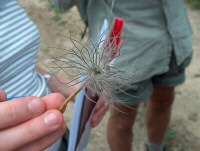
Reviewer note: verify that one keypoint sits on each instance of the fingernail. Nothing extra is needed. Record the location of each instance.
(36, 106)
(51, 120)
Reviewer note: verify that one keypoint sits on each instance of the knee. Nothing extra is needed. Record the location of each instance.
(123, 118)
(162, 98)
(123, 123)
(162, 103)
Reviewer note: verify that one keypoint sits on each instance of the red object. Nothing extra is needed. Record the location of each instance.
(116, 36)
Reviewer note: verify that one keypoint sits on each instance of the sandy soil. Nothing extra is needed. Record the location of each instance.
(184, 132)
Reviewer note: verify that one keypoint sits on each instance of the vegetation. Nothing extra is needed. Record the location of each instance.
(194, 3)
(170, 138)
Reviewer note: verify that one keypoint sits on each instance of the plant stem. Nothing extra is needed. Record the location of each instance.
(63, 106)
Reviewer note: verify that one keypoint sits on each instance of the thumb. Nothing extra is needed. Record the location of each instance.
(3, 95)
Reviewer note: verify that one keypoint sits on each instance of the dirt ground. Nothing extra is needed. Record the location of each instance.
(184, 131)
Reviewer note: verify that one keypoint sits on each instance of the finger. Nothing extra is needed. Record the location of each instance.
(94, 124)
(53, 101)
(42, 144)
(97, 117)
(100, 104)
(3, 96)
(20, 110)
(32, 130)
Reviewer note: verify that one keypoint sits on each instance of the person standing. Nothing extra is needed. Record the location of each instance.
(157, 49)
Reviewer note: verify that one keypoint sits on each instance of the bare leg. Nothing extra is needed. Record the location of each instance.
(120, 128)
(158, 113)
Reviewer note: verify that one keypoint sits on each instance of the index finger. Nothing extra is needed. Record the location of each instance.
(53, 100)
(20, 110)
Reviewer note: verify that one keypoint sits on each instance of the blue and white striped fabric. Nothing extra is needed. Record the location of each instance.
(19, 44)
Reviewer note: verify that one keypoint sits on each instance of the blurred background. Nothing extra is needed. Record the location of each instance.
(184, 130)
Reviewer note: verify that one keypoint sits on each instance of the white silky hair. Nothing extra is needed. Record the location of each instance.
(93, 63)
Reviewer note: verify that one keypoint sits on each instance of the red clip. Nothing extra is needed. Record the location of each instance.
(116, 36)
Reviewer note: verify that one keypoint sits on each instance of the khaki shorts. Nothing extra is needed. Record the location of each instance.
(143, 90)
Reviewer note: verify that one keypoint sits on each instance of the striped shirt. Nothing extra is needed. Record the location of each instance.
(19, 44)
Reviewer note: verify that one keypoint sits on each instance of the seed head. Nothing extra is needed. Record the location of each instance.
(92, 63)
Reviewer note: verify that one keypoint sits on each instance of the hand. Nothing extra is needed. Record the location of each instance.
(56, 85)
(100, 111)
(30, 123)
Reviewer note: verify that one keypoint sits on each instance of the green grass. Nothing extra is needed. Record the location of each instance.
(46, 50)
(62, 23)
(56, 18)
(194, 3)
(55, 9)
(170, 138)
(193, 117)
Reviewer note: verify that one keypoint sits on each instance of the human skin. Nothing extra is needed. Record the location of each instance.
(30, 123)
(56, 86)
(34, 123)
(120, 126)
(158, 113)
